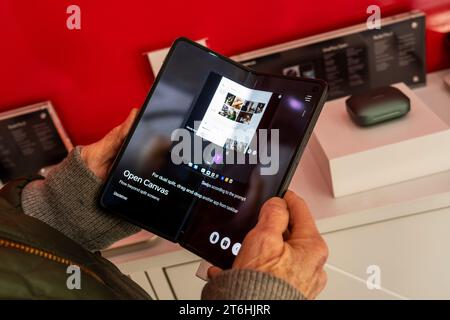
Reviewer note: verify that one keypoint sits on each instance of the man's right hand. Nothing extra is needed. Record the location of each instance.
(286, 243)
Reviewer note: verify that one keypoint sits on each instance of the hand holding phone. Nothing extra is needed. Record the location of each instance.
(285, 243)
(100, 155)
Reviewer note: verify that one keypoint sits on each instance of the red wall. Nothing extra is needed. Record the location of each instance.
(96, 74)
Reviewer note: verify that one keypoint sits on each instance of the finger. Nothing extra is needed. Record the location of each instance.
(286, 235)
(126, 126)
(213, 272)
(115, 137)
(273, 216)
(301, 221)
(320, 285)
(323, 279)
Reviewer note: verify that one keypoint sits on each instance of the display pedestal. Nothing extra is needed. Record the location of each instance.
(354, 159)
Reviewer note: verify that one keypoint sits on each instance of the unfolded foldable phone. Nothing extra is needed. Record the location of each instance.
(213, 141)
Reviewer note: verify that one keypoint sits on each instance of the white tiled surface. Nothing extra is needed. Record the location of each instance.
(166, 276)
(412, 253)
(184, 285)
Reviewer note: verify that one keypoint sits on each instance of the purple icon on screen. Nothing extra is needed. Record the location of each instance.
(218, 159)
(295, 104)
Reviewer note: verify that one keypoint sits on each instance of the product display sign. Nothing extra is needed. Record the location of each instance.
(352, 60)
(31, 138)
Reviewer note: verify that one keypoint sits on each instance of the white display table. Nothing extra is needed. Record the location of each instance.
(354, 159)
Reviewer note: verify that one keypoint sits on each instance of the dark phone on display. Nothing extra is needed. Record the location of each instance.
(213, 141)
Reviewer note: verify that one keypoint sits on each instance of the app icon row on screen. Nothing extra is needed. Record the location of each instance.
(210, 173)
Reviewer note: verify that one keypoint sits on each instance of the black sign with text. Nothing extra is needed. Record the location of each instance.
(354, 61)
(28, 142)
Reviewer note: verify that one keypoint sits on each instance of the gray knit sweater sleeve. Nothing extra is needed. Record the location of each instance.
(67, 200)
(242, 284)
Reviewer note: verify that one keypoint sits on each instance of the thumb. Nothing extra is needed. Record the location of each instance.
(273, 216)
(301, 220)
(114, 139)
(126, 126)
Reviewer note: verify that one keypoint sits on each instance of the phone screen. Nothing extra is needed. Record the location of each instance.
(211, 144)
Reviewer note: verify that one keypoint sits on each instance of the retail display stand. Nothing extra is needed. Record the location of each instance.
(354, 159)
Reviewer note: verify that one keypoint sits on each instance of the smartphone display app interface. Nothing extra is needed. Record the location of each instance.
(197, 167)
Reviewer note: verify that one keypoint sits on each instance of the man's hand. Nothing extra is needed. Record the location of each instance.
(286, 243)
(99, 156)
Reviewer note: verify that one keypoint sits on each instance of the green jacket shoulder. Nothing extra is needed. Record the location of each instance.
(39, 262)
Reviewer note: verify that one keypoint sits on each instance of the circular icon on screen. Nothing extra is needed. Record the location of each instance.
(214, 237)
(225, 243)
(235, 248)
